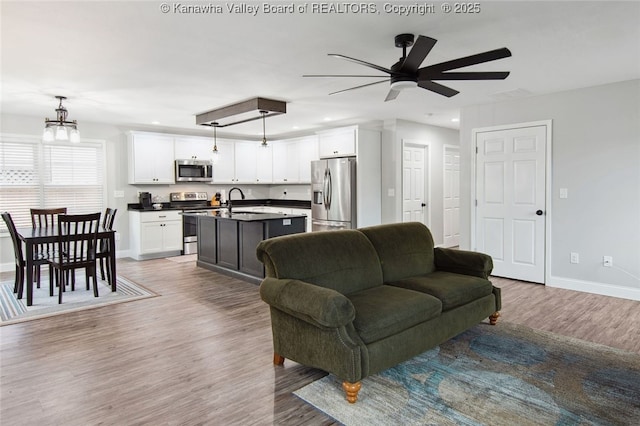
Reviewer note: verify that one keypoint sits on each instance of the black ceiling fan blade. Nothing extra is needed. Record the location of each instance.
(343, 75)
(478, 58)
(487, 75)
(419, 51)
(359, 87)
(393, 93)
(358, 61)
(438, 88)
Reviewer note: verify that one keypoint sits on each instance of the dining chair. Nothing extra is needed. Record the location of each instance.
(17, 250)
(76, 249)
(104, 254)
(20, 260)
(45, 218)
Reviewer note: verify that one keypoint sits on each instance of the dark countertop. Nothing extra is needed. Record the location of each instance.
(292, 204)
(243, 216)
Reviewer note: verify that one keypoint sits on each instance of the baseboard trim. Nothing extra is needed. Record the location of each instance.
(594, 287)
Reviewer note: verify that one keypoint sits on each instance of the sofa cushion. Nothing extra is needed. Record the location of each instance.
(343, 260)
(385, 310)
(451, 289)
(404, 249)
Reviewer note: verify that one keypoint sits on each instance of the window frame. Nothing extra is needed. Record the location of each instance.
(41, 168)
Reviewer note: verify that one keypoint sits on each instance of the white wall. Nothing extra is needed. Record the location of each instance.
(596, 155)
(393, 135)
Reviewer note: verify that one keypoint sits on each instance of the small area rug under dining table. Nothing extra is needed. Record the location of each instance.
(495, 375)
(13, 310)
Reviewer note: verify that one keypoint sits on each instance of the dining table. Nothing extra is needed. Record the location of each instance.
(32, 237)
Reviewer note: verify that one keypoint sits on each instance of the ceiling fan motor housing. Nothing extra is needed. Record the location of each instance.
(404, 40)
(401, 81)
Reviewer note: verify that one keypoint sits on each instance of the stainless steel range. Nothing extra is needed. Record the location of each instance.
(190, 202)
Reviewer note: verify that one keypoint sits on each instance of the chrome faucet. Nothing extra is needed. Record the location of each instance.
(229, 196)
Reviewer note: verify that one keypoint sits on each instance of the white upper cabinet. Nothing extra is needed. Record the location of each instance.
(151, 158)
(285, 162)
(246, 161)
(292, 160)
(264, 166)
(243, 162)
(193, 148)
(337, 143)
(308, 153)
(224, 169)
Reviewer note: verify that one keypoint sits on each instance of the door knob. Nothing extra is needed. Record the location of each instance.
(539, 212)
(423, 205)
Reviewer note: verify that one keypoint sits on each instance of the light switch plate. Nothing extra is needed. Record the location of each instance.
(118, 194)
(564, 193)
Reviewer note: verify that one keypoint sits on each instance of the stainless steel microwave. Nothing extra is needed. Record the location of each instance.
(193, 171)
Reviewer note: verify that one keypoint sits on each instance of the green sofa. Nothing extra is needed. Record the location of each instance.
(357, 302)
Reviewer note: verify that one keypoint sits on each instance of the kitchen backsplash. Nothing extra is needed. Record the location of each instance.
(160, 193)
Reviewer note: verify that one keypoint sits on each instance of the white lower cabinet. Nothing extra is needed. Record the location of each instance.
(155, 233)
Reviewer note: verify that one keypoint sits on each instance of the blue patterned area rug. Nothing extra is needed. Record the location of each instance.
(495, 375)
(13, 310)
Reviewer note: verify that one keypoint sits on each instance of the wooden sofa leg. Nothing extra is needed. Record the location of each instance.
(493, 319)
(352, 389)
(278, 359)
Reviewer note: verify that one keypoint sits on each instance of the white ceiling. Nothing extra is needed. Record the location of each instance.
(127, 63)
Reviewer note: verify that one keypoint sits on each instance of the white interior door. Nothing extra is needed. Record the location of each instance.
(510, 196)
(451, 182)
(414, 183)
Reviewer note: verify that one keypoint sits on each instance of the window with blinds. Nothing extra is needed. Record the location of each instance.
(36, 174)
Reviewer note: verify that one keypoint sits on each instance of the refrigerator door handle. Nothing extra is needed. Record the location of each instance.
(324, 190)
(330, 186)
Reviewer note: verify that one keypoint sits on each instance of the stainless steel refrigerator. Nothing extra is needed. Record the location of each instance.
(333, 191)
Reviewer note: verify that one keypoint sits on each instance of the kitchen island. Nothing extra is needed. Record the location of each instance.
(227, 241)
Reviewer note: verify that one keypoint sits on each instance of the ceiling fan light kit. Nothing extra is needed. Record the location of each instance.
(406, 73)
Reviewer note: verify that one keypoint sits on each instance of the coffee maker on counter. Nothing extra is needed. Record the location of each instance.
(145, 201)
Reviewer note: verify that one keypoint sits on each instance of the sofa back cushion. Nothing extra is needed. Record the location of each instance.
(404, 249)
(343, 260)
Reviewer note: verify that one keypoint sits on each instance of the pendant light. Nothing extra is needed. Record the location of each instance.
(57, 129)
(214, 152)
(264, 135)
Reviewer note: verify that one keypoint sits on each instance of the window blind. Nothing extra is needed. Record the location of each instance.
(36, 174)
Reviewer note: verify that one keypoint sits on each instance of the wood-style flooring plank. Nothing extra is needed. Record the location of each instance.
(201, 353)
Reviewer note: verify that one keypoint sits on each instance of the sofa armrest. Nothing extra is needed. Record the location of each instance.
(320, 306)
(463, 262)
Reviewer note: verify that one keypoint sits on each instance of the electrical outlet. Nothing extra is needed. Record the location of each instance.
(117, 234)
(607, 261)
(575, 258)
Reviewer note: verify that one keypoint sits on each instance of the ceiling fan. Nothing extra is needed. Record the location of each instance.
(405, 73)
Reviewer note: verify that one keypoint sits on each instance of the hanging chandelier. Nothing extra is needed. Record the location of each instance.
(56, 130)
(214, 151)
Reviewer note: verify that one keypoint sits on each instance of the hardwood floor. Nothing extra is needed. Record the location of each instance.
(201, 353)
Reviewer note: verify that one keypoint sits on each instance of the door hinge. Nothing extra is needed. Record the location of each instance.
(476, 203)
(476, 149)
